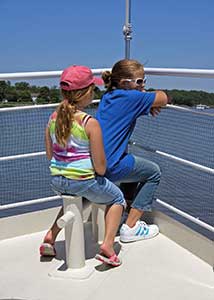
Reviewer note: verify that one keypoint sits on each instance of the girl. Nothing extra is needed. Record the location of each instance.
(124, 102)
(75, 148)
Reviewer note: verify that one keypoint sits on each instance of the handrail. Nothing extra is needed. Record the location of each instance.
(150, 71)
(175, 158)
(186, 216)
(178, 72)
(169, 156)
(35, 106)
(161, 153)
(24, 155)
(29, 202)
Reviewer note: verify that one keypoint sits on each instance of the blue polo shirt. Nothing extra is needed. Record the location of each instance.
(117, 114)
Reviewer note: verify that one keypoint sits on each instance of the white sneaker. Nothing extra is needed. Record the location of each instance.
(141, 231)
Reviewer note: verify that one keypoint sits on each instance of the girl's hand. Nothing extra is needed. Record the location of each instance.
(154, 111)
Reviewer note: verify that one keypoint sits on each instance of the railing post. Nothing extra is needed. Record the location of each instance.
(74, 240)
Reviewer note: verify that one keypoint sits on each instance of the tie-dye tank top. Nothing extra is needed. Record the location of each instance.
(74, 160)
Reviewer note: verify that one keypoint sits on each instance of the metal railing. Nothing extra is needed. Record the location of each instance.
(200, 73)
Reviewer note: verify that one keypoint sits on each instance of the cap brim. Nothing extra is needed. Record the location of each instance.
(98, 81)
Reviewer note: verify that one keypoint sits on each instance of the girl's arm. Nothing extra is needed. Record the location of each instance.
(161, 99)
(48, 144)
(94, 133)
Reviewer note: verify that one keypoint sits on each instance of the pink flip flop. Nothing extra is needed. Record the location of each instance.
(112, 260)
(47, 249)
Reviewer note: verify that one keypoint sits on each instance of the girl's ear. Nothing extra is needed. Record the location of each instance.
(125, 85)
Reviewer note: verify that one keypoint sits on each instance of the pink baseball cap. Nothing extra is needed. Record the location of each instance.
(78, 77)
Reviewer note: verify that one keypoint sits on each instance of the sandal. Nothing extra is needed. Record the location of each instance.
(112, 260)
(47, 249)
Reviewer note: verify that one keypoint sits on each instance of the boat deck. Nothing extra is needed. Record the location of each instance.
(153, 269)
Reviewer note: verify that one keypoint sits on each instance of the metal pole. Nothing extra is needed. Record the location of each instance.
(127, 29)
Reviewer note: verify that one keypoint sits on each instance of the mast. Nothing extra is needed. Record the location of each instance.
(127, 29)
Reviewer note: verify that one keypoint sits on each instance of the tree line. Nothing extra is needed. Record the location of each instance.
(22, 93)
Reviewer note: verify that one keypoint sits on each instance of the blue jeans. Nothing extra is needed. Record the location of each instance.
(140, 185)
(98, 190)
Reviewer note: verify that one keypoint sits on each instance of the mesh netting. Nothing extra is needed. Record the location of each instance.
(189, 135)
(183, 133)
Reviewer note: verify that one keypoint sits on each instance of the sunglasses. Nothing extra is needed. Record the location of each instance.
(138, 81)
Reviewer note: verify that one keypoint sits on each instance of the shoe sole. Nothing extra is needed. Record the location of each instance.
(137, 238)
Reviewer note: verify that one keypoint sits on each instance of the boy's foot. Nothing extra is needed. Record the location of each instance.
(141, 231)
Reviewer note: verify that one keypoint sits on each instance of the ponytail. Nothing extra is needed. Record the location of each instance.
(66, 111)
(125, 68)
(106, 76)
(64, 120)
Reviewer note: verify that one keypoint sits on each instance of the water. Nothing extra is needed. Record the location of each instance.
(188, 135)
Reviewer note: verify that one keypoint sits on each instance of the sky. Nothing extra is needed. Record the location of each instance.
(49, 35)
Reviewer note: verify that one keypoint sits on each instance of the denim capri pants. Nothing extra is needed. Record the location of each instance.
(140, 184)
(98, 190)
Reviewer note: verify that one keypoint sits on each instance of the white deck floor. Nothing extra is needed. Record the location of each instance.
(152, 269)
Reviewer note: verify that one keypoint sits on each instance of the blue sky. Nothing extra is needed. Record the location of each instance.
(50, 35)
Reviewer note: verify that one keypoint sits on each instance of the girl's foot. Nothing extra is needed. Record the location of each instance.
(49, 239)
(108, 256)
(106, 250)
(113, 260)
(47, 249)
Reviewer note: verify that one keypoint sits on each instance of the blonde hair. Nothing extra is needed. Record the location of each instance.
(66, 111)
(125, 68)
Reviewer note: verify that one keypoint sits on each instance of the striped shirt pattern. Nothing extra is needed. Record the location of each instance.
(74, 160)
